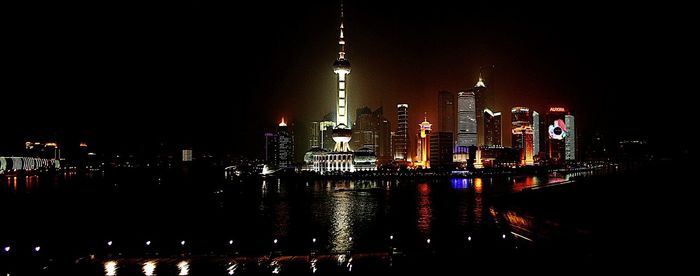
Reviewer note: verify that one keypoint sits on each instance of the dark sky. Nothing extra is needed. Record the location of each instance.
(127, 74)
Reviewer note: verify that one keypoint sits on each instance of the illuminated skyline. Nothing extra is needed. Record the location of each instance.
(272, 60)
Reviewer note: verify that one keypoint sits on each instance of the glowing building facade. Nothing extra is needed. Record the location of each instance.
(466, 119)
(400, 142)
(570, 139)
(423, 144)
(342, 158)
(492, 128)
(521, 131)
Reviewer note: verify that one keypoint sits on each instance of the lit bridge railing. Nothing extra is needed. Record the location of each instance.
(13, 163)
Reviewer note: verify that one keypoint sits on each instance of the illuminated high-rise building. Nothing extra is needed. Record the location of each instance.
(187, 155)
(535, 132)
(423, 144)
(285, 148)
(271, 149)
(522, 134)
(557, 131)
(385, 153)
(492, 128)
(401, 138)
(520, 118)
(466, 119)
(570, 139)
(446, 112)
(341, 67)
(342, 158)
(480, 104)
(314, 135)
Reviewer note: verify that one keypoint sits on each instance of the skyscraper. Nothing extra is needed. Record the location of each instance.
(522, 134)
(441, 150)
(423, 142)
(401, 140)
(570, 139)
(492, 128)
(466, 119)
(535, 132)
(314, 135)
(520, 118)
(271, 148)
(285, 148)
(446, 112)
(385, 153)
(341, 67)
(557, 131)
(363, 130)
(480, 104)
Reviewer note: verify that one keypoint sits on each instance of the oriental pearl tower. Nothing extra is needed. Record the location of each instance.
(341, 67)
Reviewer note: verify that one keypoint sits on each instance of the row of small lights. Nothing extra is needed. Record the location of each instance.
(230, 242)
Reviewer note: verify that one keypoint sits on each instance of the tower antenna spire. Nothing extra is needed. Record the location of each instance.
(341, 39)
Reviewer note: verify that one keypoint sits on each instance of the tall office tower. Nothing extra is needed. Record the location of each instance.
(363, 130)
(285, 145)
(314, 135)
(271, 149)
(527, 150)
(535, 132)
(441, 150)
(479, 90)
(557, 131)
(492, 128)
(341, 67)
(383, 132)
(401, 140)
(423, 148)
(570, 139)
(520, 118)
(446, 112)
(466, 119)
(522, 134)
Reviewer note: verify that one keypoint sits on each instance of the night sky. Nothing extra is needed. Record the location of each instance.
(127, 75)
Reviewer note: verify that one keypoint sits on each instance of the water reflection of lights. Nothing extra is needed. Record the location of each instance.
(341, 222)
(231, 268)
(149, 268)
(425, 215)
(478, 185)
(461, 183)
(110, 268)
(276, 267)
(349, 265)
(184, 268)
(313, 265)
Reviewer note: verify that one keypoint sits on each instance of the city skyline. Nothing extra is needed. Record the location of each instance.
(537, 64)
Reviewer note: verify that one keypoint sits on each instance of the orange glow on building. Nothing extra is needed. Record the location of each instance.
(83, 145)
(423, 154)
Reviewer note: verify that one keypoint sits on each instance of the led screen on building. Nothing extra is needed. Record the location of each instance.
(557, 130)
